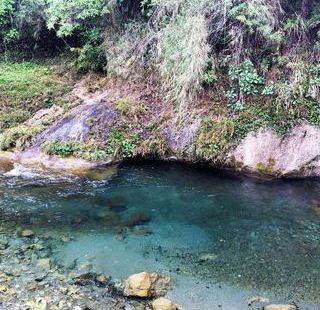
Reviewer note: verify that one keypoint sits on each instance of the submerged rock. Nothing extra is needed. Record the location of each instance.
(163, 304)
(138, 218)
(91, 278)
(4, 243)
(258, 299)
(44, 263)
(280, 307)
(28, 233)
(147, 284)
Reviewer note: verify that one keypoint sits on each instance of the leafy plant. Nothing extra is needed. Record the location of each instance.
(18, 137)
(63, 148)
(246, 78)
(121, 144)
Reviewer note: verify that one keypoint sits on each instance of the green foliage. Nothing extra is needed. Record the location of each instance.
(17, 137)
(88, 152)
(246, 78)
(122, 144)
(27, 87)
(210, 76)
(214, 139)
(148, 6)
(63, 148)
(184, 58)
(69, 16)
(268, 90)
(90, 58)
(6, 8)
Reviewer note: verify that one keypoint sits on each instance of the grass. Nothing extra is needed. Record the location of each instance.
(18, 137)
(25, 88)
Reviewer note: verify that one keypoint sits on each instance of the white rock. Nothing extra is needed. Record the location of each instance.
(163, 304)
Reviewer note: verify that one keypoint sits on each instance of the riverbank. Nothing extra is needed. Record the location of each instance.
(105, 120)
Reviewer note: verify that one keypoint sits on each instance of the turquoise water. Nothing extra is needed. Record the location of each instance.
(208, 231)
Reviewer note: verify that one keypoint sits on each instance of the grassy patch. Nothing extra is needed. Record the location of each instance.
(27, 87)
(214, 139)
(18, 137)
(119, 145)
(89, 152)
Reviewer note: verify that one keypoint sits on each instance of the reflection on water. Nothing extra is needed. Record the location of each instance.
(247, 233)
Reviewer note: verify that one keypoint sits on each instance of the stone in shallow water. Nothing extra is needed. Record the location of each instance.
(147, 284)
(44, 263)
(138, 218)
(163, 304)
(4, 243)
(27, 233)
(280, 307)
(257, 299)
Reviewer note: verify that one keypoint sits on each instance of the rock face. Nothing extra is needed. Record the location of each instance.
(163, 304)
(280, 307)
(297, 154)
(83, 121)
(147, 284)
(44, 115)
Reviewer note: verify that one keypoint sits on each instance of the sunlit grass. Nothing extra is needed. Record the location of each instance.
(27, 87)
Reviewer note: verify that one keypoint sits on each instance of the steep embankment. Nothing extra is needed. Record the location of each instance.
(113, 120)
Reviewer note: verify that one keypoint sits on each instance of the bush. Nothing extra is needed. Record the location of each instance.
(90, 58)
(18, 137)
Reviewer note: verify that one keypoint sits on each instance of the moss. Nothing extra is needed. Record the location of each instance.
(18, 137)
(89, 152)
(156, 146)
(215, 139)
(27, 87)
(266, 168)
(131, 109)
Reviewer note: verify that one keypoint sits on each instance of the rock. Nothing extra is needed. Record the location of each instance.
(4, 243)
(101, 280)
(147, 284)
(207, 257)
(3, 288)
(44, 263)
(91, 278)
(77, 221)
(44, 115)
(117, 204)
(257, 299)
(294, 155)
(65, 239)
(28, 233)
(163, 304)
(141, 231)
(280, 307)
(138, 218)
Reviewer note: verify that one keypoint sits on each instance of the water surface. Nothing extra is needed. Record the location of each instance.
(223, 239)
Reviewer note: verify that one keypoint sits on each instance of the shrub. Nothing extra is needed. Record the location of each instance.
(18, 137)
(63, 148)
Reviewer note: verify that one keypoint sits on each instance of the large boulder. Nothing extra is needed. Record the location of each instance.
(147, 284)
(296, 154)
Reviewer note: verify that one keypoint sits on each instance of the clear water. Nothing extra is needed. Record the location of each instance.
(223, 239)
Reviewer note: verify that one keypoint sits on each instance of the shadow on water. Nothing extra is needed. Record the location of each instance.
(251, 233)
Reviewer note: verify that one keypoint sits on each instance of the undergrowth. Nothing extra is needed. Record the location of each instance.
(27, 87)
